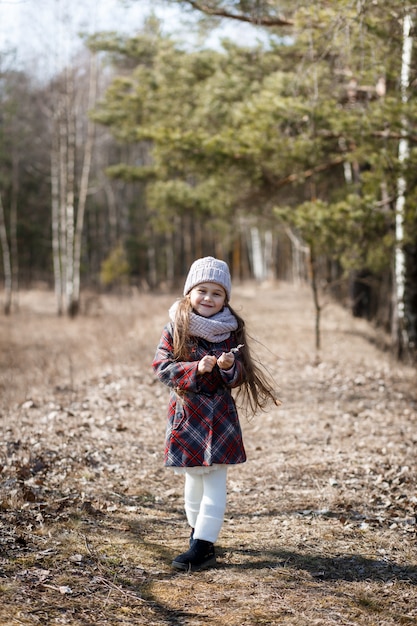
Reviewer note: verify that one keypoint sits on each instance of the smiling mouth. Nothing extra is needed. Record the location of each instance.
(203, 307)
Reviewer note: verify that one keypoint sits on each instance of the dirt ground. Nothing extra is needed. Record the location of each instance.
(321, 521)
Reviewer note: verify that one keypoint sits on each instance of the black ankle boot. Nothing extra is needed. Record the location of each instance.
(191, 537)
(200, 555)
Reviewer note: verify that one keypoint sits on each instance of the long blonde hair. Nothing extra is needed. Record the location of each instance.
(257, 390)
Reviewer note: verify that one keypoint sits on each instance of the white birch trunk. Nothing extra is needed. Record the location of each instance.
(399, 333)
(257, 260)
(300, 253)
(69, 208)
(7, 267)
(85, 175)
(269, 255)
(55, 214)
(261, 254)
(63, 173)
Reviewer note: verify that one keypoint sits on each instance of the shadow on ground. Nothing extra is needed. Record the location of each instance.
(337, 567)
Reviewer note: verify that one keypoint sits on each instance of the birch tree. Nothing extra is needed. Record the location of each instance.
(62, 192)
(55, 211)
(84, 180)
(399, 325)
(68, 199)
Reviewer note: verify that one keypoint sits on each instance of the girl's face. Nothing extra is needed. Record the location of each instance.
(207, 299)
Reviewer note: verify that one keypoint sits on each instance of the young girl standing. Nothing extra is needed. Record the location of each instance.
(202, 355)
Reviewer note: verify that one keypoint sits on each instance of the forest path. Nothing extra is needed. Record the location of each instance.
(320, 526)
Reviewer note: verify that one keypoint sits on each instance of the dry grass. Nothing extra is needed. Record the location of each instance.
(320, 527)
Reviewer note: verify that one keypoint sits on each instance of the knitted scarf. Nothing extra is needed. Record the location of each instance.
(214, 329)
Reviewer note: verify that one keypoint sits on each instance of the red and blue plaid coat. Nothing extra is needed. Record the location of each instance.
(203, 425)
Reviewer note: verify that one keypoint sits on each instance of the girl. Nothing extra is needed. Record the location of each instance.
(202, 355)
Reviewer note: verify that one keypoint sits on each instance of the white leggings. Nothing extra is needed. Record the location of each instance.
(205, 502)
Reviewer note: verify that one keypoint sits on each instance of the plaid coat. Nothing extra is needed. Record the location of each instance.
(203, 425)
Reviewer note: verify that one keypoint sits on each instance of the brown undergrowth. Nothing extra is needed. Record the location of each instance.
(320, 526)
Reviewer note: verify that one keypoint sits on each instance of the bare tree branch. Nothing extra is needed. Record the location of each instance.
(258, 20)
(308, 173)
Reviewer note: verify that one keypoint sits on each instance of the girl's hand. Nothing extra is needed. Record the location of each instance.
(206, 364)
(226, 360)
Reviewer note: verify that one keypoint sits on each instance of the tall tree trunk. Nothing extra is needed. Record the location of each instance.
(198, 236)
(256, 249)
(236, 256)
(7, 268)
(299, 253)
(399, 328)
(13, 221)
(63, 175)
(170, 259)
(67, 219)
(56, 213)
(152, 263)
(70, 198)
(317, 306)
(269, 255)
(105, 183)
(187, 241)
(82, 197)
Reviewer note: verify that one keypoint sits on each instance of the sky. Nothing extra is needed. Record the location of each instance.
(45, 33)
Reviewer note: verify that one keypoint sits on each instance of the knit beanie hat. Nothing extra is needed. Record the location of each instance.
(209, 270)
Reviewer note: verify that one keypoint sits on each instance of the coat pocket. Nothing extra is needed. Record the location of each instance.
(179, 414)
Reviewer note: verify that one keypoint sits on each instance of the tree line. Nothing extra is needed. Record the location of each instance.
(293, 158)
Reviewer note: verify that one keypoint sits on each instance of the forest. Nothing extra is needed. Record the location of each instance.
(291, 154)
(293, 158)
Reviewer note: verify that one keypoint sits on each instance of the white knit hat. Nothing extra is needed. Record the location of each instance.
(209, 270)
